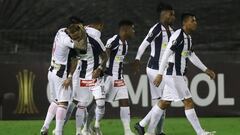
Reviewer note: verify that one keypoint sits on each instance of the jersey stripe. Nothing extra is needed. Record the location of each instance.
(114, 45)
(178, 56)
(154, 33)
(83, 69)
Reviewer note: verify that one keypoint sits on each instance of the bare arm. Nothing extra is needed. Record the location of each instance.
(102, 66)
(104, 58)
(73, 66)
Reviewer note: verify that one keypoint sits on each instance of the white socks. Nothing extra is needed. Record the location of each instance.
(160, 124)
(144, 122)
(100, 110)
(125, 117)
(70, 109)
(60, 116)
(146, 119)
(156, 114)
(193, 119)
(50, 114)
(80, 115)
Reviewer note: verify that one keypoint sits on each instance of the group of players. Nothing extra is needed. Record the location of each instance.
(82, 67)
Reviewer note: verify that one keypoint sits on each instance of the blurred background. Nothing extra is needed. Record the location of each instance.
(28, 27)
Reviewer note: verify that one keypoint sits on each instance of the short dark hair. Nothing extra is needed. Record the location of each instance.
(125, 23)
(75, 20)
(186, 16)
(163, 6)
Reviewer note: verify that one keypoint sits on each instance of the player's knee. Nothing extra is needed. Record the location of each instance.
(63, 104)
(124, 102)
(100, 103)
(100, 109)
(155, 101)
(75, 102)
(188, 103)
(164, 104)
(82, 105)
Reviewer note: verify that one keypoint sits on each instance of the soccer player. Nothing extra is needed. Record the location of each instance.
(71, 66)
(115, 86)
(73, 36)
(157, 37)
(91, 66)
(178, 50)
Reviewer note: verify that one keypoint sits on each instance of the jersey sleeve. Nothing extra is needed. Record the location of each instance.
(175, 41)
(165, 57)
(97, 44)
(102, 48)
(171, 48)
(142, 49)
(153, 32)
(110, 44)
(66, 40)
(196, 61)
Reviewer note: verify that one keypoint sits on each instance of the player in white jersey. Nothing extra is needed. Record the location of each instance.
(114, 84)
(73, 36)
(157, 37)
(89, 80)
(178, 51)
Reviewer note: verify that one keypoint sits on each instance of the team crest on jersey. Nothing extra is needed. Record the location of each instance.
(174, 42)
(150, 34)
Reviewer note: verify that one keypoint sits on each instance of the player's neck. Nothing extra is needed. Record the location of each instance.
(187, 31)
(165, 24)
(122, 37)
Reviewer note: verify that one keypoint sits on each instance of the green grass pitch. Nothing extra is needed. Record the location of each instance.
(173, 126)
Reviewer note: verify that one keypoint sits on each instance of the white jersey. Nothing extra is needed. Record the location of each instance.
(179, 50)
(90, 60)
(60, 53)
(158, 38)
(61, 47)
(118, 52)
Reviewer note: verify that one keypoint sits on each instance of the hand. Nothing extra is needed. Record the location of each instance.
(96, 73)
(157, 81)
(136, 66)
(210, 73)
(67, 83)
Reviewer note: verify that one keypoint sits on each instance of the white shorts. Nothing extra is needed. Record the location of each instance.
(156, 92)
(175, 89)
(58, 92)
(85, 90)
(115, 89)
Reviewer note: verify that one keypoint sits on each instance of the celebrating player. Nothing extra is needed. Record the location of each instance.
(89, 81)
(73, 36)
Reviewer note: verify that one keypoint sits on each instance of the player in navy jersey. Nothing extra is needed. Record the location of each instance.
(157, 38)
(171, 71)
(114, 84)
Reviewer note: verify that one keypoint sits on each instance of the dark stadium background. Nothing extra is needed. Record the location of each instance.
(27, 29)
